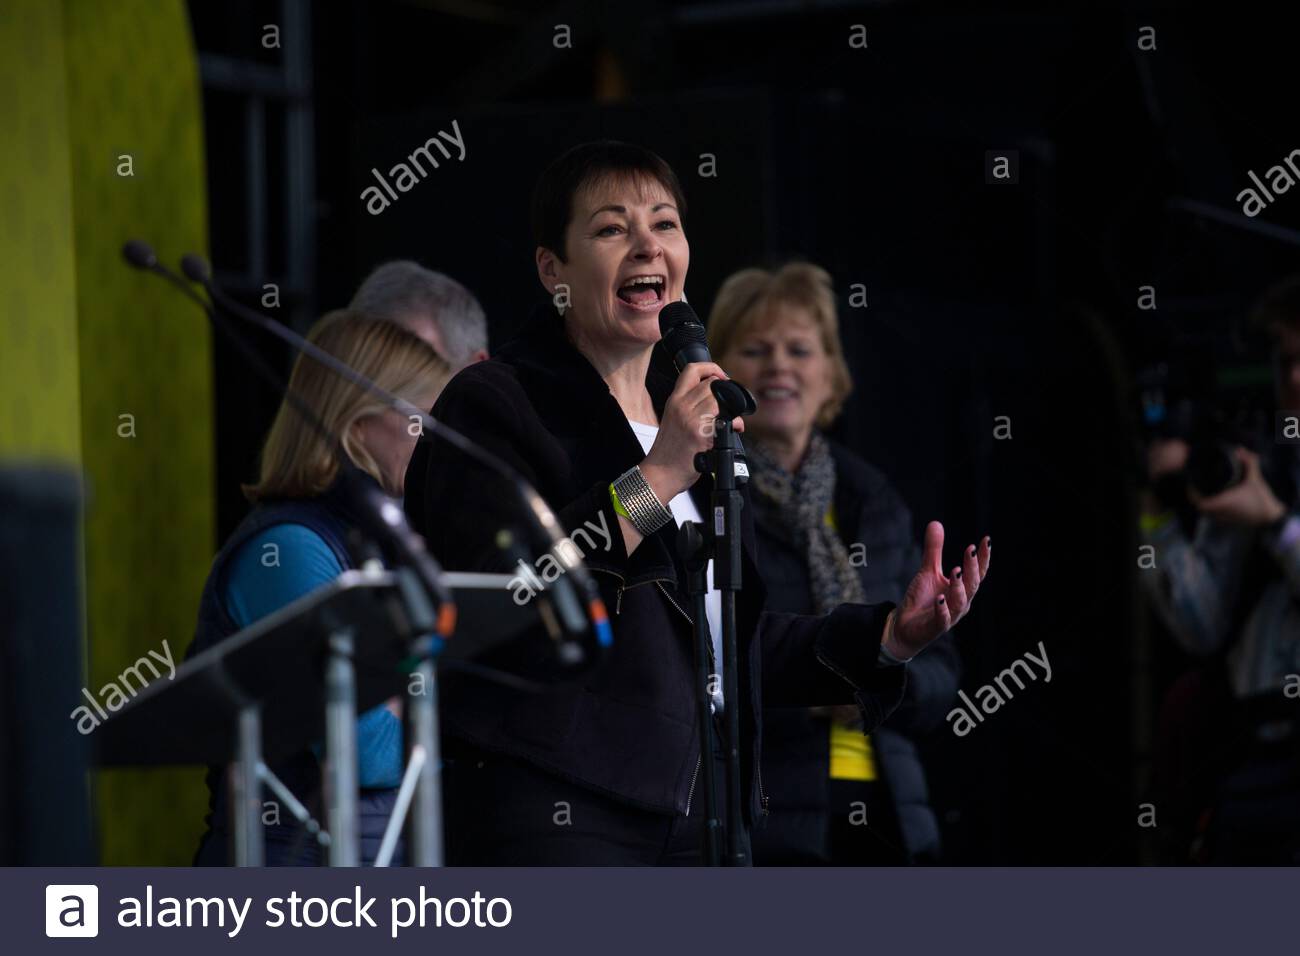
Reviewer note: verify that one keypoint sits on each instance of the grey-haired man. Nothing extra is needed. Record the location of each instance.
(432, 305)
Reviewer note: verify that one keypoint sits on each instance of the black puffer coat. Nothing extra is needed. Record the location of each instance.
(876, 526)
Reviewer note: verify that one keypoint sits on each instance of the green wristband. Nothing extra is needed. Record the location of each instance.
(618, 505)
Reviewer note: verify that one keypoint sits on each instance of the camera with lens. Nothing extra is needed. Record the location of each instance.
(1215, 411)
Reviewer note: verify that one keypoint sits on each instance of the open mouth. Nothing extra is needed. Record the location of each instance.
(643, 292)
(776, 393)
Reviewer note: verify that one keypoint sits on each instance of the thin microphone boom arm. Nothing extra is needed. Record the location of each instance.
(575, 618)
(141, 256)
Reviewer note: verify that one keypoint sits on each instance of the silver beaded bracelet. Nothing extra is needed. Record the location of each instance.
(644, 509)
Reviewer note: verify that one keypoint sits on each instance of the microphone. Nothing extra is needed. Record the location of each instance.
(140, 254)
(575, 595)
(683, 337)
(196, 268)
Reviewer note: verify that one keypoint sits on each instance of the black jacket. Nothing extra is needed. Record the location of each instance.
(629, 729)
(875, 524)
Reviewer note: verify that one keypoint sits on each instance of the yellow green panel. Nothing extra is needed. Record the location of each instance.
(39, 405)
(134, 116)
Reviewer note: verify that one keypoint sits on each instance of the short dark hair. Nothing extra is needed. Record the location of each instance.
(583, 166)
(1278, 306)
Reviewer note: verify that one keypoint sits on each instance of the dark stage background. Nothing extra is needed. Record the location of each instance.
(983, 299)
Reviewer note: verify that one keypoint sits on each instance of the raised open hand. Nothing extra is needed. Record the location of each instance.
(934, 601)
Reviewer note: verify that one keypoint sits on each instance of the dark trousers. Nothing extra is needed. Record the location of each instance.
(503, 812)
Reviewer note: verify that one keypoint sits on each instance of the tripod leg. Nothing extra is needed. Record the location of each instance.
(341, 785)
(426, 820)
(246, 790)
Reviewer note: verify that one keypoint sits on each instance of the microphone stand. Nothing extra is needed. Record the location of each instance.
(432, 615)
(694, 551)
(723, 543)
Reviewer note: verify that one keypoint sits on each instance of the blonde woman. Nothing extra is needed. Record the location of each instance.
(832, 530)
(298, 537)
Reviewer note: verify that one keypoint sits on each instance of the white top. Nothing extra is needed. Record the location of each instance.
(683, 509)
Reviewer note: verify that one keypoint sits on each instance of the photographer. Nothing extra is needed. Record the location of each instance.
(1229, 589)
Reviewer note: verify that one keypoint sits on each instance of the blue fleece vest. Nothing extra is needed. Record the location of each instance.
(330, 517)
(324, 515)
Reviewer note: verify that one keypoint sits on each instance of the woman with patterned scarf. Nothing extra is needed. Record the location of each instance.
(831, 529)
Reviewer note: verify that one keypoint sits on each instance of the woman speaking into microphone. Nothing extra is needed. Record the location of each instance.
(606, 770)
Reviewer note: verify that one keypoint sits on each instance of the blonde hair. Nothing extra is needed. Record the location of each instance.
(747, 301)
(296, 461)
